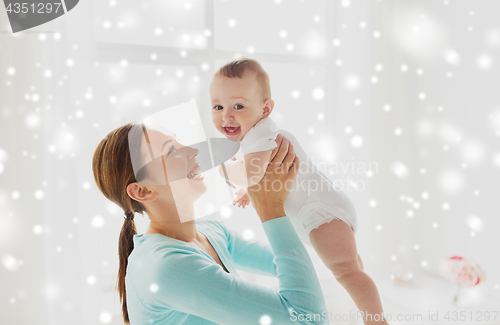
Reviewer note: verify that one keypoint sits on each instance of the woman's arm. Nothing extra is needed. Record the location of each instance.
(252, 256)
(267, 197)
(193, 284)
(279, 162)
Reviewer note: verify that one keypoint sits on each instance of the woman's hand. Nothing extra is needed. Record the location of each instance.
(269, 194)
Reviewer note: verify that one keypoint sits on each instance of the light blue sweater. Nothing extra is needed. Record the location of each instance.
(170, 281)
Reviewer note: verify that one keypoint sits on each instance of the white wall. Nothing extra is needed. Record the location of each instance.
(59, 247)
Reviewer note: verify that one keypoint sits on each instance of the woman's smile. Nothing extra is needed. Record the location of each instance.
(193, 174)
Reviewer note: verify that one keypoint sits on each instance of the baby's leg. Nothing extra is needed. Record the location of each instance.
(336, 246)
(360, 262)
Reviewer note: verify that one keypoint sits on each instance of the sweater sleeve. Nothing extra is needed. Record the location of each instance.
(253, 256)
(193, 284)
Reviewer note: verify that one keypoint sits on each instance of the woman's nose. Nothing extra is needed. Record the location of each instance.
(192, 152)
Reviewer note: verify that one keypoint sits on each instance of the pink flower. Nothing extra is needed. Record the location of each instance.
(462, 271)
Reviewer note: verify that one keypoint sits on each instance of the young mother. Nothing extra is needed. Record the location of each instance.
(185, 272)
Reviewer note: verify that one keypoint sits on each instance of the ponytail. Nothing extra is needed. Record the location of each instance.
(113, 172)
(125, 247)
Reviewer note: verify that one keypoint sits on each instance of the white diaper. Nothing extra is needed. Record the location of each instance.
(316, 214)
(322, 214)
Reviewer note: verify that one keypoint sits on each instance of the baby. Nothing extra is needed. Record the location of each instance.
(322, 215)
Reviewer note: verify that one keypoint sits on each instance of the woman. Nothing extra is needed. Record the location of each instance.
(184, 272)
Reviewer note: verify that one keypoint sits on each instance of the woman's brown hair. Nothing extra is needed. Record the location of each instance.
(113, 171)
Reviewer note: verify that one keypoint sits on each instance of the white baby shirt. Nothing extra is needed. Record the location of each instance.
(313, 198)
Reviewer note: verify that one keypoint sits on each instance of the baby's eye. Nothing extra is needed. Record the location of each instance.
(237, 106)
(216, 107)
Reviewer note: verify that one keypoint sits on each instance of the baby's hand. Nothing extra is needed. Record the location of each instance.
(242, 198)
(228, 182)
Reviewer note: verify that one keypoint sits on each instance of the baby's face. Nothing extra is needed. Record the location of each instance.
(236, 105)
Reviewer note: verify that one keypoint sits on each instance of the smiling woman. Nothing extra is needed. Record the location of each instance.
(148, 142)
(160, 160)
(182, 272)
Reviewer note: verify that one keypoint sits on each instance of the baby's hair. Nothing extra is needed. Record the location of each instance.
(237, 69)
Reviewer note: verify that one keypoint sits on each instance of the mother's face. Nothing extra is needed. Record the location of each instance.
(173, 165)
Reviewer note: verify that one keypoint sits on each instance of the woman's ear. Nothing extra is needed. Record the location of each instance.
(140, 192)
(268, 107)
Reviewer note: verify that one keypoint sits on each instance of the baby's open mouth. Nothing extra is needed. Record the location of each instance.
(194, 172)
(232, 130)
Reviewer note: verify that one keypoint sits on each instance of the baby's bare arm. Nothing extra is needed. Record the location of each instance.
(256, 164)
(247, 172)
(235, 172)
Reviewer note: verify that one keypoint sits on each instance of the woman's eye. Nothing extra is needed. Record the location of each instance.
(170, 150)
(235, 106)
(216, 107)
